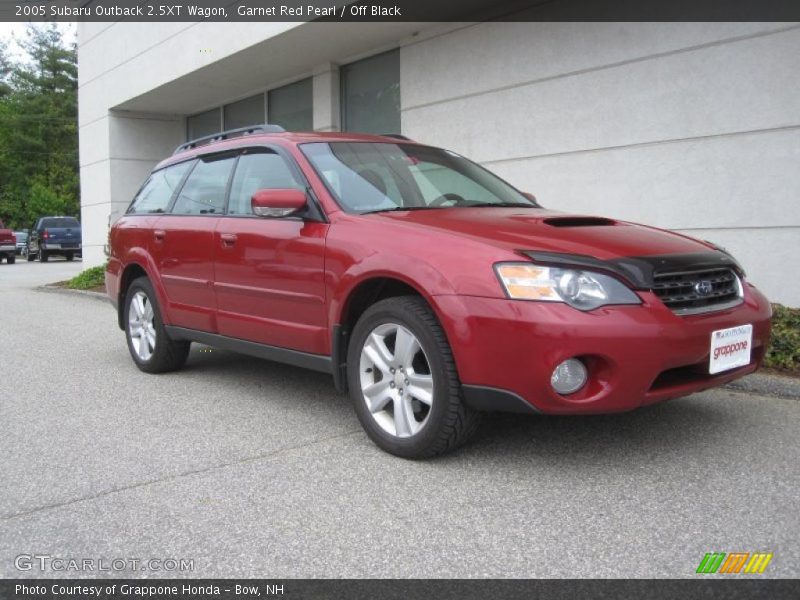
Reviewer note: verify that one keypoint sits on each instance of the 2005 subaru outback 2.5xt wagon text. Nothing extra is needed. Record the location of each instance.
(429, 288)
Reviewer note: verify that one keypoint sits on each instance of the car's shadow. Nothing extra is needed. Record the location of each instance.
(683, 425)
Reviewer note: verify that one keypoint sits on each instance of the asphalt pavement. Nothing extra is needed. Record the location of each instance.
(251, 468)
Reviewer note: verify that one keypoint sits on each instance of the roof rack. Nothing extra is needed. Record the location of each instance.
(397, 136)
(231, 133)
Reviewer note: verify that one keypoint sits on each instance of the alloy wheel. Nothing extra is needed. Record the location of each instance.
(396, 380)
(141, 326)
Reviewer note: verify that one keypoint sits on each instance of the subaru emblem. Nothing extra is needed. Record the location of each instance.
(703, 287)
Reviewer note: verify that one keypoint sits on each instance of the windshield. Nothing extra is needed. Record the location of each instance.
(21, 236)
(372, 177)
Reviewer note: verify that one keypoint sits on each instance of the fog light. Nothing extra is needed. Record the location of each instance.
(569, 376)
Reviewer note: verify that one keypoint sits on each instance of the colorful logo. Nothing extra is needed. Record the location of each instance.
(734, 562)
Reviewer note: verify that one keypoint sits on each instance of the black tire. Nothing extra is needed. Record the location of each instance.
(69, 256)
(450, 422)
(43, 256)
(30, 256)
(11, 259)
(168, 354)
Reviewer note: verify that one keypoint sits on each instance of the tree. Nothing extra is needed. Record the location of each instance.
(38, 130)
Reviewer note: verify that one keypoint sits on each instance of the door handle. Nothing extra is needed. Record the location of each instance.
(228, 239)
(159, 235)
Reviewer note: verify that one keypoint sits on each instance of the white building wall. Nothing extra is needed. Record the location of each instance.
(688, 126)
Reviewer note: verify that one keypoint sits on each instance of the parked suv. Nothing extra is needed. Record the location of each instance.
(54, 236)
(425, 285)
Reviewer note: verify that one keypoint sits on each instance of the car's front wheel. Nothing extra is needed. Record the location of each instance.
(403, 380)
(151, 348)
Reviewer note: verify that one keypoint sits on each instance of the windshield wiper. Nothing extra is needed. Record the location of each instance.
(401, 208)
(500, 204)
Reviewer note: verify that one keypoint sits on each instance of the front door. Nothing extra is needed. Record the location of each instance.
(269, 273)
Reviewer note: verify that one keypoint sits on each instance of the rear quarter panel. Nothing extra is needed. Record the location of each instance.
(130, 241)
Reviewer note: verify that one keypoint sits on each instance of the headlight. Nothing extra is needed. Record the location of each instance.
(584, 290)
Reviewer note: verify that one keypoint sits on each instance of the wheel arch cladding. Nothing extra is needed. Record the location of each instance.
(358, 299)
(130, 273)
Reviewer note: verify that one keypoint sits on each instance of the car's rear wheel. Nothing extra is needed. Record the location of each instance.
(43, 256)
(12, 259)
(151, 348)
(70, 256)
(30, 256)
(403, 380)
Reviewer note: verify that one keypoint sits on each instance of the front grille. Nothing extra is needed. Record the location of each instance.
(692, 292)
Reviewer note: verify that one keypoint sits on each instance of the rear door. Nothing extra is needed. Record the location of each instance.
(183, 243)
(269, 272)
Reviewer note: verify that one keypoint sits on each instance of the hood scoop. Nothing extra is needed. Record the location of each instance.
(579, 222)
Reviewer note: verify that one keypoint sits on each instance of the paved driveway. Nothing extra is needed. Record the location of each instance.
(251, 468)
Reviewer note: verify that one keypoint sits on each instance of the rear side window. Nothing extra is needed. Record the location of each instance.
(56, 222)
(156, 193)
(204, 190)
(258, 171)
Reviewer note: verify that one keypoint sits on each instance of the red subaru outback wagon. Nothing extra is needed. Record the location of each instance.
(428, 287)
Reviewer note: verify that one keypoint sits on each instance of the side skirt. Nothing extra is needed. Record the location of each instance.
(314, 362)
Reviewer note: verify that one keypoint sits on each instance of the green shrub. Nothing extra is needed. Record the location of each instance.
(784, 348)
(88, 279)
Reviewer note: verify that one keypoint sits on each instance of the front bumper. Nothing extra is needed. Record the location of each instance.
(506, 350)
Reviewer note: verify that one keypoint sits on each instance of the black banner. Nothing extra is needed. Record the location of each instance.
(393, 589)
(398, 10)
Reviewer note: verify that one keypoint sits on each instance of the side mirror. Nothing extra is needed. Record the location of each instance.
(278, 203)
(529, 196)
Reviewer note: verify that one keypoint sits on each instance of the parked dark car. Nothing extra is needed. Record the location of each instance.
(22, 242)
(54, 236)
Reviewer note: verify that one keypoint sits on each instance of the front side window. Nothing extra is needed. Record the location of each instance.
(204, 190)
(372, 177)
(258, 171)
(157, 191)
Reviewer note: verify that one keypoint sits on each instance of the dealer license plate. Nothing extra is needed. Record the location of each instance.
(730, 348)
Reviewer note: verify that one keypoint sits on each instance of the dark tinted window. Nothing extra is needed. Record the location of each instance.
(244, 113)
(155, 195)
(56, 222)
(203, 124)
(204, 190)
(258, 171)
(371, 94)
(291, 106)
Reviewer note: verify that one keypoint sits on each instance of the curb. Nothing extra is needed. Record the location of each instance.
(53, 289)
(777, 386)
